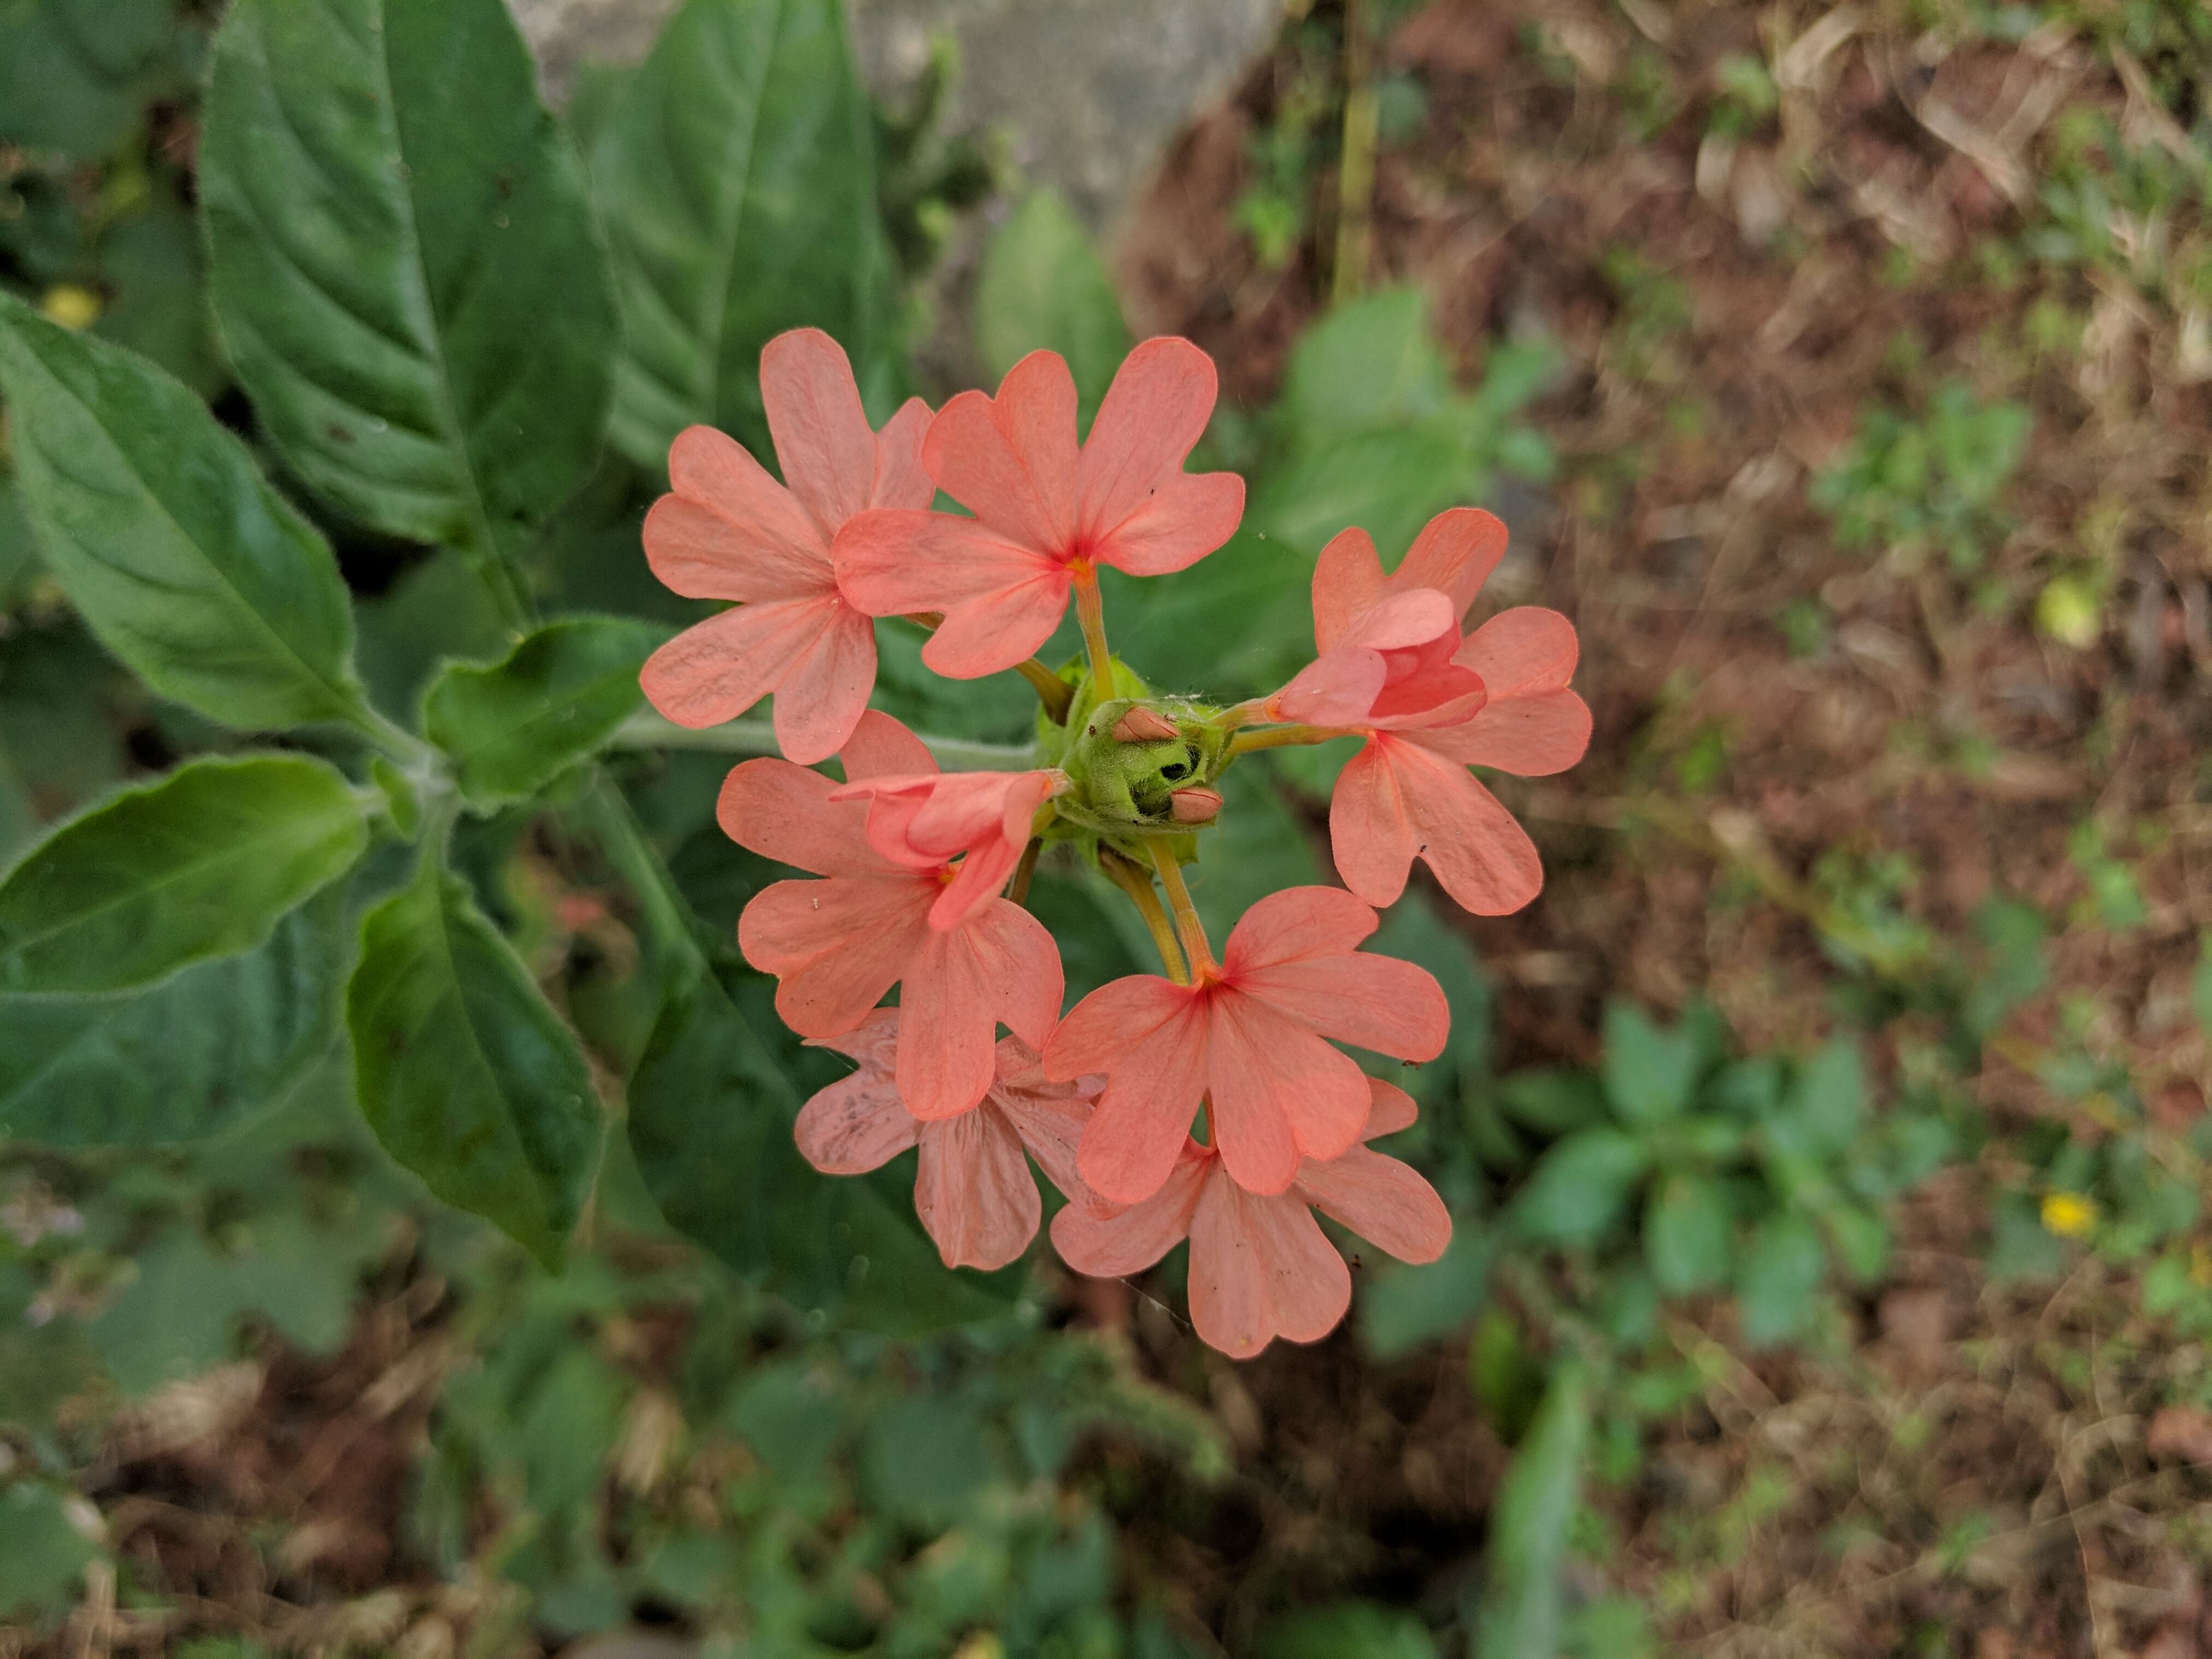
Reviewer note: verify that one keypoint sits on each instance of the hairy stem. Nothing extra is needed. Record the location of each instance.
(1355, 198)
(1054, 692)
(1018, 889)
(1188, 928)
(647, 730)
(1131, 879)
(1090, 613)
(1282, 736)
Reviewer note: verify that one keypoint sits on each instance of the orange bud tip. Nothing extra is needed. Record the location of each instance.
(1196, 805)
(1142, 726)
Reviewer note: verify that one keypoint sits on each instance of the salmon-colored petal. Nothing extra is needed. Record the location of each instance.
(1389, 1108)
(704, 555)
(1455, 554)
(1115, 1244)
(1295, 924)
(715, 469)
(1261, 1268)
(976, 882)
(1011, 459)
(821, 700)
(1370, 833)
(836, 946)
(895, 561)
(1401, 620)
(1050, 1117)
(1521, 651)
(1373, 1002)
(1278, 1094)
(1337, 687)
(1019, 966)
(991, 632)
(900, 478)
(974, 1191)
(1112, 1021)
(1153, 1085)
(1533, 735)
(1347, 580)
(715, 669)
(947, 1029)
(1185, 519)
(784, 813)
(1155, 411)
(823, 439)
(854, 1126)
(1384, 1201)
(882, 747)
(1480, 856)
(871, 1045)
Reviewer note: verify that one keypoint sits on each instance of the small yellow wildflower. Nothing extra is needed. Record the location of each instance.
(70, 305)
(983, 1645)
(2070, 1215)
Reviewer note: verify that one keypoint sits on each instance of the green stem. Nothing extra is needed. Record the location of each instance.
(1188, 928)
(1018, 889)
(1054, 693)
(648, 730)
(1355, 195)
(1091, 615)
(1131, 879)
(1284, 737)
(394, 742)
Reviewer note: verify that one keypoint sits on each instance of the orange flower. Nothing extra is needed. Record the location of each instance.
(1394, 666)
(1252, 1039)
(1260, 1266)
(1046, 512)
(728, 531)
(972, 1187)
(836, 945)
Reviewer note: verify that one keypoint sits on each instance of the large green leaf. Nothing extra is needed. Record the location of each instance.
(167, 537)
(1688, 1234)
(1522, 1603)
(202, 1051)
(76, 75)
(404, 265)
(464, 1070)
(738, 181)
(1042, 285)
(513, 727)
(199, 863)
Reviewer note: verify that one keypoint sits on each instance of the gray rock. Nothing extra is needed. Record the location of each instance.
(1089, 92)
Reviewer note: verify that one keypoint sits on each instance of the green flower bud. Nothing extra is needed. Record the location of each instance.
(1131, 755)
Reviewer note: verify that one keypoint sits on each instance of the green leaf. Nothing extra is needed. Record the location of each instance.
(1687, 1233)
(1523, 1605)
(1648, 1073)
(737, 182)
(46, 1556)
(514, 726)
(199, 863)
(1343, 1630)
(1580, 1190)
(167, 537)
(404, 265)
(464, 1070)
(74, 74)
(1826, 1105)
(1778, 1278)
(2200, 989)
(194, 1056)
(1043, 286)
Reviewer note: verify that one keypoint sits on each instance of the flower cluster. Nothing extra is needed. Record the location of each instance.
(1209, 1102)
